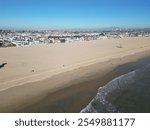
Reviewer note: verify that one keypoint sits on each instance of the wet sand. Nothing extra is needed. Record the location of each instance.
(70, 99)
(69, 90)
(74, 98)
(71, 96)
(34, 63)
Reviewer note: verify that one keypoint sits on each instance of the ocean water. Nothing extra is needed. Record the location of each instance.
(128, 93)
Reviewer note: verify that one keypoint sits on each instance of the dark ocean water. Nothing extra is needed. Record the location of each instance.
(128, 93)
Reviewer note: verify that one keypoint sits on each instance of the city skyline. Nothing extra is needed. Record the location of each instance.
(69, 14)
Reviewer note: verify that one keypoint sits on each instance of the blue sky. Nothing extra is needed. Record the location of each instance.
(55, 14)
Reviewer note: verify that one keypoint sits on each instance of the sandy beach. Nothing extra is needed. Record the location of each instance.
(62, 77)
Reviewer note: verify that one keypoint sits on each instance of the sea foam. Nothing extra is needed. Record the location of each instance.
(136, 79)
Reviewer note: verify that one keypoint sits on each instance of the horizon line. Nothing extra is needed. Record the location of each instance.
(75, 28)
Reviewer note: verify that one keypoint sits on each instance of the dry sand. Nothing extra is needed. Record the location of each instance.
(83, 64)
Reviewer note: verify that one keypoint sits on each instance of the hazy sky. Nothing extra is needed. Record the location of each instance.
(51, 14)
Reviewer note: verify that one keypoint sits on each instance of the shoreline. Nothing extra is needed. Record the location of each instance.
(74, 98)
(80, 70)
(69, 96)
(18, 79)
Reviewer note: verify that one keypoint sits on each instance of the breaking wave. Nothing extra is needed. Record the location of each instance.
(127, 93)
